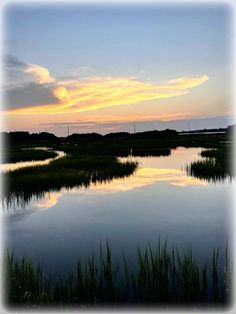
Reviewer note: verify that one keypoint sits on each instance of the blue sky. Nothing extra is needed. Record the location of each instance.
(149, 43)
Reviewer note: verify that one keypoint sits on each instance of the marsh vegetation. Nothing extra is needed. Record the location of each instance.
(217, 164)
(17, 153)
(70, 171)
(162, 276)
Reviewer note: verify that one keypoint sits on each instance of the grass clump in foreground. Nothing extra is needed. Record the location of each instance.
(163, 278)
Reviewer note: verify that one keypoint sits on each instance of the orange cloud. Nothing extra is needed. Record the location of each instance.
(101, 92)
(41, 74)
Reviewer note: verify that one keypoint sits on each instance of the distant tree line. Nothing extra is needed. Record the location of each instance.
(25, 137)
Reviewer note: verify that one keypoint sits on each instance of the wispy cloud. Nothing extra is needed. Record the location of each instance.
(188, 82)
(89, 94)
(41, 74)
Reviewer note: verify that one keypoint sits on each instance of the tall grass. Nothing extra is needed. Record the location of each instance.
(216, 165)
(162, 277)
(67, 172)
(207, 169)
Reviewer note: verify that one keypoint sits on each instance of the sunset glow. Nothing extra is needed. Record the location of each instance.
(98, 92)
(99, 71)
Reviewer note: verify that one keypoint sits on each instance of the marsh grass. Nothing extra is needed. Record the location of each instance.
(96, 161)
(162, 277)
(216, 165)
(67, 172)
(207, 169)
(17, 154)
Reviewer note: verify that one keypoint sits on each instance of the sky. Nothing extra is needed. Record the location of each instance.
(102, 68)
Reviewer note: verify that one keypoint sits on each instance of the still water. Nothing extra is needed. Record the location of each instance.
(159, 200)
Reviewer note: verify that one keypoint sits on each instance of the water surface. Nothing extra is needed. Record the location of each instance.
(159, 200)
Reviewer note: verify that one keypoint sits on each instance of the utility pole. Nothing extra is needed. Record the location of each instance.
(134, 128)
(188, 125)
(68, 130)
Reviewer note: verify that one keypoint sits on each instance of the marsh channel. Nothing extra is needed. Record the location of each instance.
(159, 200)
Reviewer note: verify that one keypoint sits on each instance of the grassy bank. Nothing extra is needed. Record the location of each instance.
(16, 154)
(67, 172)
(163, 277)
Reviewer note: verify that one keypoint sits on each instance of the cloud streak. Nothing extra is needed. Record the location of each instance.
(89, 94)
(109, 92)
